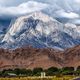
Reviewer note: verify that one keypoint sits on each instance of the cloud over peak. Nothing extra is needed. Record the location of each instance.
(64, 14)
(24, 8)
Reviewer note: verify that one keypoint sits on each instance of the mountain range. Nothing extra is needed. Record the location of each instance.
(40, 30)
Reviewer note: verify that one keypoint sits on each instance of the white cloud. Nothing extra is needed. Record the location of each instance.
(11, 2)
(77, 1)
(75, 21)
(24, 8)
(70, 15)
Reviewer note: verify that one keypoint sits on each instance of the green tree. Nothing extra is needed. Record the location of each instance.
(68, 70)
(78, 71)
(17, 71)
(5, 72)
(26, 72)
(52, 71)
(37, 71)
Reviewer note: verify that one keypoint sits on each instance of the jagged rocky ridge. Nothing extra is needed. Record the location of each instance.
(40, 31)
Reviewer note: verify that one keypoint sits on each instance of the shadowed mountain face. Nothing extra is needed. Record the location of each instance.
(29, 57)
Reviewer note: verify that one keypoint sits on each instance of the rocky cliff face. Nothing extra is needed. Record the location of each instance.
(29, 57)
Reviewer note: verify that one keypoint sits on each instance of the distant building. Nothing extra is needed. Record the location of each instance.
(11, 74)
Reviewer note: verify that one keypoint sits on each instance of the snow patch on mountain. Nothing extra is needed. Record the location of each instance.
(72, 29)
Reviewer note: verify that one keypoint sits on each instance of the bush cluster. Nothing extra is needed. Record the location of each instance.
(37, 71)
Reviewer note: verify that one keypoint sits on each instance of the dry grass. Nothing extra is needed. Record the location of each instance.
(39, 78)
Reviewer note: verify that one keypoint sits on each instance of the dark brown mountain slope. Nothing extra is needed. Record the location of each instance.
(30, 57)
(72, 56)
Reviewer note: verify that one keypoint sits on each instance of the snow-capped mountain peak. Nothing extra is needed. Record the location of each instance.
(35, 27)
(18, 25)
(40, 30)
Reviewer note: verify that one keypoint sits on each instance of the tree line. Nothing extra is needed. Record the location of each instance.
(52, 71)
